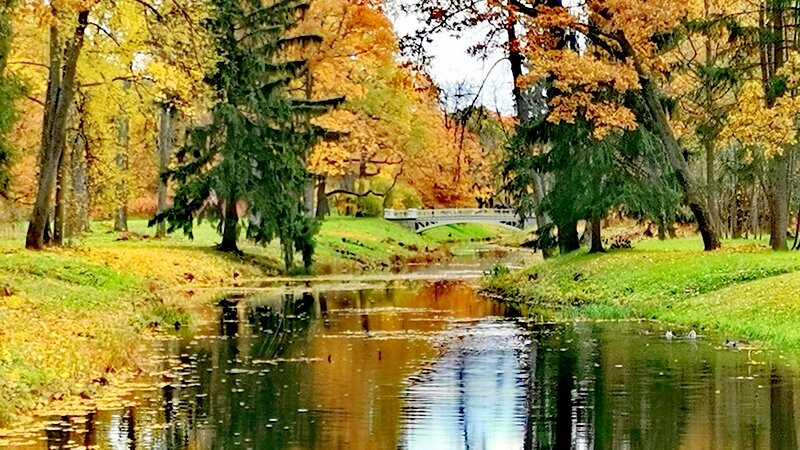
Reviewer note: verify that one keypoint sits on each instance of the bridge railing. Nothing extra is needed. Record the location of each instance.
(408, 214)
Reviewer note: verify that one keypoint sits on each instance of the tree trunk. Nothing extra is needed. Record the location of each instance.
(523, 113)
(517, 65)
(62, 183)
(777, 197)
(308, 197)
(597, 240)
(47, 234)
(78, 221)
(61, 90)
(709, 143)
(713, 200)
(229, 225)
(568, 238)
(288, 254)
(323, 208)
(165, 143)
(737, 219)
(690, 187)
(796, 232)
(308, 254)
(121, 216)
(686, 180)
(754, 211)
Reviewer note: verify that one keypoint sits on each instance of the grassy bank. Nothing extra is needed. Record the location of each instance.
(72, 319)
(743, 291)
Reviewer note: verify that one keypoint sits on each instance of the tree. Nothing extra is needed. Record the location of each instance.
(765, 117)
(166, 111)
(591, 177)
(253, 151)
(63, 66)
(390, 121)
(622, 56)
(140, 53)
(707, 63)
(496, 26)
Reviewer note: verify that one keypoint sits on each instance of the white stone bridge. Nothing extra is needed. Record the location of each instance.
(421, 220)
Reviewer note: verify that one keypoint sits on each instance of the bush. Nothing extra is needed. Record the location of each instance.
(498, 271)
(403, 196)
(369, 206)
(620, 241)
(398, 196)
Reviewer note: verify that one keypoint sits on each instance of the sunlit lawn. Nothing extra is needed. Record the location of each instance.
(745, 289)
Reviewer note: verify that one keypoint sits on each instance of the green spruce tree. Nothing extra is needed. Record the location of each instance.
(252, 154)
(10, 90)
(589, 177)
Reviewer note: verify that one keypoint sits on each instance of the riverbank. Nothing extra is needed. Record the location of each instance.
(72, 319)
(744, 291)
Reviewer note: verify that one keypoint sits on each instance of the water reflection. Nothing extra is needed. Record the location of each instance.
(626, 390)
(433, 366)
(473, 396)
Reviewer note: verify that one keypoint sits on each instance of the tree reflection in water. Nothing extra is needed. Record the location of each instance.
(434, 366)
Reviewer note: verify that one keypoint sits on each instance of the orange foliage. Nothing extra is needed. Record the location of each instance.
(391, 123)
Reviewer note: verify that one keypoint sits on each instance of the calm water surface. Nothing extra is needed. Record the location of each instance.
(430, 365)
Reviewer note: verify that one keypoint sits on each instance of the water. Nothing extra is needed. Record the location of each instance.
(430, 365)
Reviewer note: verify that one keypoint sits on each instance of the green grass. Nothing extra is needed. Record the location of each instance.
(376, 240)
(63, 281)
(744, 290)
(343, 243)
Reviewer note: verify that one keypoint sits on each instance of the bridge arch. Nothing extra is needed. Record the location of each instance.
(423, 227)
(421, 220)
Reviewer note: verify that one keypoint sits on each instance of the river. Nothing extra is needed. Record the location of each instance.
(429, 364)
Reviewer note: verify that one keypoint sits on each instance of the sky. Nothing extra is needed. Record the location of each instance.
(453, 65)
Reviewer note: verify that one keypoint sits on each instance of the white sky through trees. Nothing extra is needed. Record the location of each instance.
(452, 65)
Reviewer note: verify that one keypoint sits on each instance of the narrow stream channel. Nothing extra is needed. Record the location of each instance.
(431, 365)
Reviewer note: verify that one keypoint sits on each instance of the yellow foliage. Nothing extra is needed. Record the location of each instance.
(134, 57)
(590, 83)
(754, 124)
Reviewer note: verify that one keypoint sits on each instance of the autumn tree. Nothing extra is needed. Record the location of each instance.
(488, 132)
(389, 123)
(67, 34)
(707, 64)
(140, 54)
(766, 118)
(621, 57)
(252, 151)
(495, 26)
